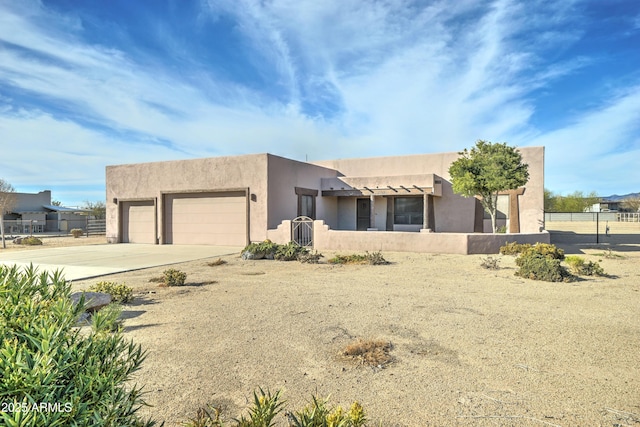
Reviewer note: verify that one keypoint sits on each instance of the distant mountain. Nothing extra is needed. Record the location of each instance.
(616, 198)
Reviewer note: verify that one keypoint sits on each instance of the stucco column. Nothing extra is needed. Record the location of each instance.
(428, 217)
(514, 210)
(372, 212)
(425, 211)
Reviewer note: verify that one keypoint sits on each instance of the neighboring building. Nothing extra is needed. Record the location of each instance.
(239, 199)
(34, 213)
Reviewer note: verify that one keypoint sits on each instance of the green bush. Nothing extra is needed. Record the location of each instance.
(76, 232)
(107, 319)
(31, 241)
(289, 252)
(514, 248)
(266, 406)
(266, 249)
(44, 360)
(173, 277)
(119, 291)
(536, 266)
(546, 249)
(374, 258)
(578, 266)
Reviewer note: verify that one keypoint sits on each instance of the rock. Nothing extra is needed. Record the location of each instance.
(247, 255)
(17, 240)
(93, 301)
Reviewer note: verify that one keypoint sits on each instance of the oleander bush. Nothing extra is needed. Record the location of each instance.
(107, 319)
(45, 360)
(119, 291)
(173, 277)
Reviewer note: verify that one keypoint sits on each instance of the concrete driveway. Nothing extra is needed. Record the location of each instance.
(82, 262)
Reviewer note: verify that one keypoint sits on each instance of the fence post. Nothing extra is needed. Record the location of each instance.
(597, 227)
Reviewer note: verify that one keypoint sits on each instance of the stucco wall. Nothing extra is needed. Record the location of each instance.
(32, 201)
(453, 213)
(150, 180)
(286, 174)
(451, 243)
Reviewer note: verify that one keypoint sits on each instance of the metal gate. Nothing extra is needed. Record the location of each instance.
(302, 231)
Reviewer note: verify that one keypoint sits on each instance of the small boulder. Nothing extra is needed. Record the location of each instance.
(93, 301)
(247, 255)
(17, 240)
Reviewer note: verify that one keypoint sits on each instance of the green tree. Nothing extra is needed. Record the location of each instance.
(97, 209)
(574, 202)
(7, 201)
(56, 203)
(486, 170)
(549, 201)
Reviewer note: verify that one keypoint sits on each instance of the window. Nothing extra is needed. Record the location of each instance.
(306, 202)
(408, 210)
(306, 206)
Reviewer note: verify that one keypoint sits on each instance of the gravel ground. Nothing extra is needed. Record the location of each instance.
(470, 346)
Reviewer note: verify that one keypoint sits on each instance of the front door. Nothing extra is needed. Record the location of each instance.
(363, 214)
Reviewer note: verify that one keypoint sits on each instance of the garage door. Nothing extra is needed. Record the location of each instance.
(206, 219)
(138, 222)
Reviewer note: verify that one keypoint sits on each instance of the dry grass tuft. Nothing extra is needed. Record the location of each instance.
(217, 262)
(369, 352)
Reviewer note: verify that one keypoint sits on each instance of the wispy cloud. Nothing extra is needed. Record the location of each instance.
(318, 79)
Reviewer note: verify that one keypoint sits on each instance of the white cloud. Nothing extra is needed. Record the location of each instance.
(395, 78)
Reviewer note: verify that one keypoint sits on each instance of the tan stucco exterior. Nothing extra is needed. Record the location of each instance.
(346, 195)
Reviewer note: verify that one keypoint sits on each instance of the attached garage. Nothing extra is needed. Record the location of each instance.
(218, 218)
(138, 221)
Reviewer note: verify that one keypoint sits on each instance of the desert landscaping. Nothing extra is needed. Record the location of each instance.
(469, 346)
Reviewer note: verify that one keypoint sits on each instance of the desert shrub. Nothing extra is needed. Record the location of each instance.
(318, 413)
(107, 319)
(548, 250)
(266, 406)
(490, 263)
(502, 229)
(578, 266)
(266, 249)
(374, 258)
(514, 248)
(309, 257)
(31, 241)
(119, 291)
(76, 232)
(44, 358)
(173, 277)
(536, 266)
(369, 352)
(289, 252)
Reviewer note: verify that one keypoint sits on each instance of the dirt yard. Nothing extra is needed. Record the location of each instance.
(471, 346)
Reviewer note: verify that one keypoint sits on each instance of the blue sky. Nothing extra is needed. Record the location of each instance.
(85, 84)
